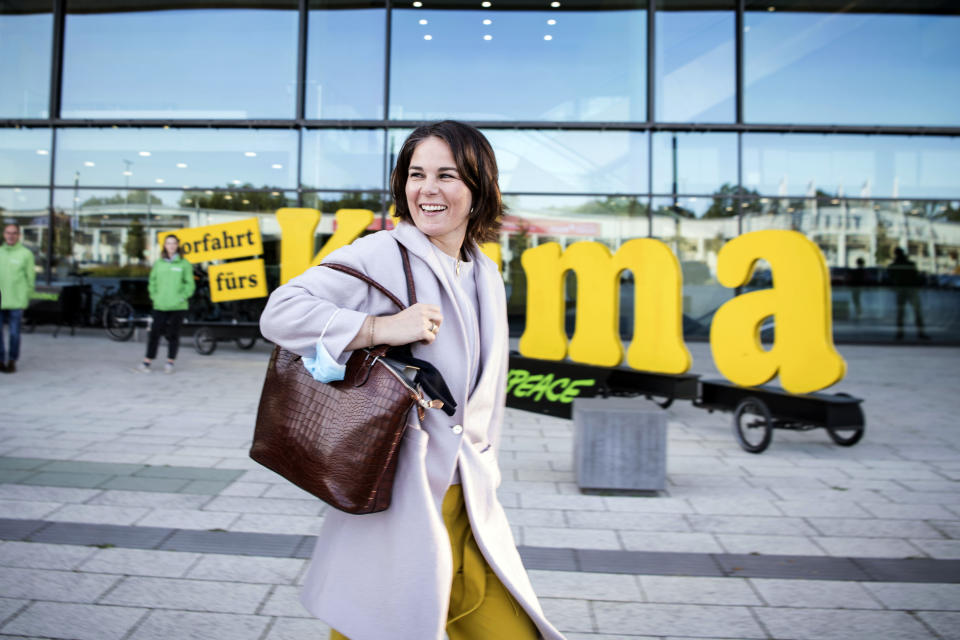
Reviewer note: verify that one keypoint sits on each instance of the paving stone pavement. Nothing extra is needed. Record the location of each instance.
(162, 459)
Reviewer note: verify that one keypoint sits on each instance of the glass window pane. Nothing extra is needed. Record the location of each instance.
(695, 65)
(184, 158)
(571, 161)
(102, 220)
(880, 166)
(343, 159)
(851, 68)
(564, 161)
(184, 63)
(878, 296)
(25, 156)
(345, 86)
(535, 220)
(693, 163)
(112, 237)
(26, 32)
(519, 60)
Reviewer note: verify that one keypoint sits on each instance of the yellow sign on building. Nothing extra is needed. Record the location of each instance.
(237, 280)
(238, 239)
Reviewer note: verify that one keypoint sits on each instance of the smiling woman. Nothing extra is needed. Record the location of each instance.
(422, 567)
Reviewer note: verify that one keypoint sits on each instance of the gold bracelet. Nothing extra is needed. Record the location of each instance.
(373, 323)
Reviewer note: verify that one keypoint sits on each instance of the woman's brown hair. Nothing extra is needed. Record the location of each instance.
(476, 165)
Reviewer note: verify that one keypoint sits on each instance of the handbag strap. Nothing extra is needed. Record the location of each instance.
(411, 292)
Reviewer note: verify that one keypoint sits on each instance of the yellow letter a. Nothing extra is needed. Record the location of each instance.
(799, 301)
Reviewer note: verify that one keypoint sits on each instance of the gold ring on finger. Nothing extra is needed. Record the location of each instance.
(434, 327)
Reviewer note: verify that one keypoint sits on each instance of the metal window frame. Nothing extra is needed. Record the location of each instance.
(302, 124)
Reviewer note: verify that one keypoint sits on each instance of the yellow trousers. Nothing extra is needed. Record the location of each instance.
(480, 606)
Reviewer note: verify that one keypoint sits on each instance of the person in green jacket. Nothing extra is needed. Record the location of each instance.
(171, 285)
(17, 277)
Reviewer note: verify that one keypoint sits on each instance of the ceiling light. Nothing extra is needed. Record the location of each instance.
(554, 4)
(208, 192)
(551, 22)
(418, 4)
(42, 152)
(89, 164)
(181, 165)
(423, 22)
(250, 154)
(277, 166)
(235, 181)
(228, 197)
(488, 37)
(246, 202)
(485, 5)
(159, 180)
(488, 21)
(428, 37)
(145, 154)
(128, 173)
(274, 193)
(771, 8)
(548, 37)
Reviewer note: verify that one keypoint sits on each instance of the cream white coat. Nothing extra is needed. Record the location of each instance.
(387, 576)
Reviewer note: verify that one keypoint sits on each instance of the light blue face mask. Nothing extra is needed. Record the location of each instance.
(323, 367)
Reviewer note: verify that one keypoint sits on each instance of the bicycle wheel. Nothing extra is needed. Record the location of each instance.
(118, 320)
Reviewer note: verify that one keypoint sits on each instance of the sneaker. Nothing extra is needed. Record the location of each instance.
(168, 367)
(11, 367)
(3, 368)
(143, 368)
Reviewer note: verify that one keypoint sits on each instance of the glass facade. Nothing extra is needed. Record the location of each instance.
(687, 122)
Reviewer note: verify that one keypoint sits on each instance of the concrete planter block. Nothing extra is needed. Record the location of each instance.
(620, 444)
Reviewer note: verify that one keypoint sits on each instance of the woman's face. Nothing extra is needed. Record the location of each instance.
(437, 197)
(171, 245)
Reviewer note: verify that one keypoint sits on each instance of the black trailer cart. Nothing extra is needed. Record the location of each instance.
(757, 411)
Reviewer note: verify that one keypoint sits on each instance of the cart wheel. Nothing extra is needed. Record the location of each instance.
(245, 343)
(118, 320)
(847, 436)
(753, 425)
(204, 341)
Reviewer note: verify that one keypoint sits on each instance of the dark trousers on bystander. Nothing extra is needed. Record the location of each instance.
(167, 324)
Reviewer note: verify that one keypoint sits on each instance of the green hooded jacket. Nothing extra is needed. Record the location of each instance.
(171, 284)
(17, 276)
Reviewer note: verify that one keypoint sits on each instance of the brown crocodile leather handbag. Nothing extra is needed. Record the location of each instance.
(339, 440)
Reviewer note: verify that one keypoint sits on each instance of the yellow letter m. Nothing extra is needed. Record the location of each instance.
(657, 343)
